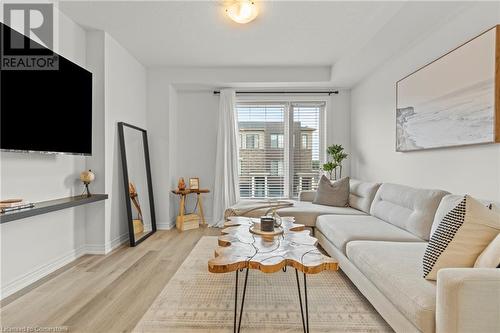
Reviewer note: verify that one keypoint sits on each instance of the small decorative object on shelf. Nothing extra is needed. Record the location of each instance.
(181, 185)
(10, 205)
(87, 177)
(10, 202)
(194, 183)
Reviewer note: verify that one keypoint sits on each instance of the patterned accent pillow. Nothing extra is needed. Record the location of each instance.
(461, 237)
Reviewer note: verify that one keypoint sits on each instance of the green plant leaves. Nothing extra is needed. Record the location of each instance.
(336, 155)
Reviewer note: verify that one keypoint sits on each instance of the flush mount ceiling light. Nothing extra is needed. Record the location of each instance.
(242, 11)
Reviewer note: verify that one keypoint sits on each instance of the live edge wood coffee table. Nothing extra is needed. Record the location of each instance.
(239, 249)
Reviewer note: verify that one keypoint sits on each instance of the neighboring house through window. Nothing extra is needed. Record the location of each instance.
(276, 140)
(252, 141)
(276, 168)
(280, 148)
(304, 141)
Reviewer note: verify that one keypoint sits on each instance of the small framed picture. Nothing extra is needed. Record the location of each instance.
(194, 183)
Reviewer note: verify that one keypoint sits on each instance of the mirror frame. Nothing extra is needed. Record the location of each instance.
(121, 126)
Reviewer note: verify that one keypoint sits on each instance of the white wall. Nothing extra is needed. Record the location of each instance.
(120, 95)
(338, 125)
(161, 105)
(95, 214)
(197, 139)
(33, 246)
(125, 86)
(474, 169)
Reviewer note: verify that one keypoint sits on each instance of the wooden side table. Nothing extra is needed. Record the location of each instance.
(183, 217)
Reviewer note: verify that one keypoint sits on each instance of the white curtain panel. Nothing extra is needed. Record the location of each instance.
(226, 188)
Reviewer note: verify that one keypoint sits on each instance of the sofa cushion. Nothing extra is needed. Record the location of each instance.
(307, 195)
(406, 207)
(306, 212)
(395, 269)
(342, 229)
(362, 194)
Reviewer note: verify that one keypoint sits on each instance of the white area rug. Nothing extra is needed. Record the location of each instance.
(195, 300)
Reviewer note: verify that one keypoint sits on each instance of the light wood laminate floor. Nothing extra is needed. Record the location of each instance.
(99, 293)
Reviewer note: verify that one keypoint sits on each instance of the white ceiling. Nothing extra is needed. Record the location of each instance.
(345, 35)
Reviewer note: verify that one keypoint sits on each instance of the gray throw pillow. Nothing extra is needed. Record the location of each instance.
(332, 194)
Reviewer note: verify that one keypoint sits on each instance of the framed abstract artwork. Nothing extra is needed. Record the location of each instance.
(454, 100)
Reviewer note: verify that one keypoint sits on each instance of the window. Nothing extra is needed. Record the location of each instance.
(276, 168)
(287, 159)
(306, 161)
(305, 183)
(276, 141)
(260, 187)
(251, 141)
(304, 141)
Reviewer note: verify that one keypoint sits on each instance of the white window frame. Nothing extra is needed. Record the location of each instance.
(256, 140)
(279, 143)
(288, 101)
(279, 165)
(304, 144)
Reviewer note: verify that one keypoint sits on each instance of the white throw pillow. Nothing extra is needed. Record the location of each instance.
(461, 236)
(490, 257)
(332, 193)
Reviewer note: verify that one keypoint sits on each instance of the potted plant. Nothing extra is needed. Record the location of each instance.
(335, 156)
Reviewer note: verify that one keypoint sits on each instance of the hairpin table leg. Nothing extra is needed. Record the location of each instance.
(307, 309)
(300, 301)
(235, 302)
(237, 328)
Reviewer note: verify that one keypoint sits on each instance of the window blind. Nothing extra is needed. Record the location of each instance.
(280, 146)
(305, 169)
(262, 150)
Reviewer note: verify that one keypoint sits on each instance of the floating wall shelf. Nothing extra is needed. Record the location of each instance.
(44, 207)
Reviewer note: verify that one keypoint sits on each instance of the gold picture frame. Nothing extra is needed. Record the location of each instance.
(194, 183)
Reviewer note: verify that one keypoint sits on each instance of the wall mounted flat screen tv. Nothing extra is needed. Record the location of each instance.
(46, 110)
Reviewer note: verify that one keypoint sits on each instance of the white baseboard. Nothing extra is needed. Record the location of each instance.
(108, 247)
(114, 243)
(44, 270)
(40, 272)
(165, 225)
(168, 226)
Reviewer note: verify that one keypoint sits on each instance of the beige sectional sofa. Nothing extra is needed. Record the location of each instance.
(380, 241)
(381, 251)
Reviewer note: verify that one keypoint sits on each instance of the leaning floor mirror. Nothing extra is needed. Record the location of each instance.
(137, 182)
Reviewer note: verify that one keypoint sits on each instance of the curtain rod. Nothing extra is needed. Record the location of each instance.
(216, 92)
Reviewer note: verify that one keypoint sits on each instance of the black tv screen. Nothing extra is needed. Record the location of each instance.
(46, 110)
